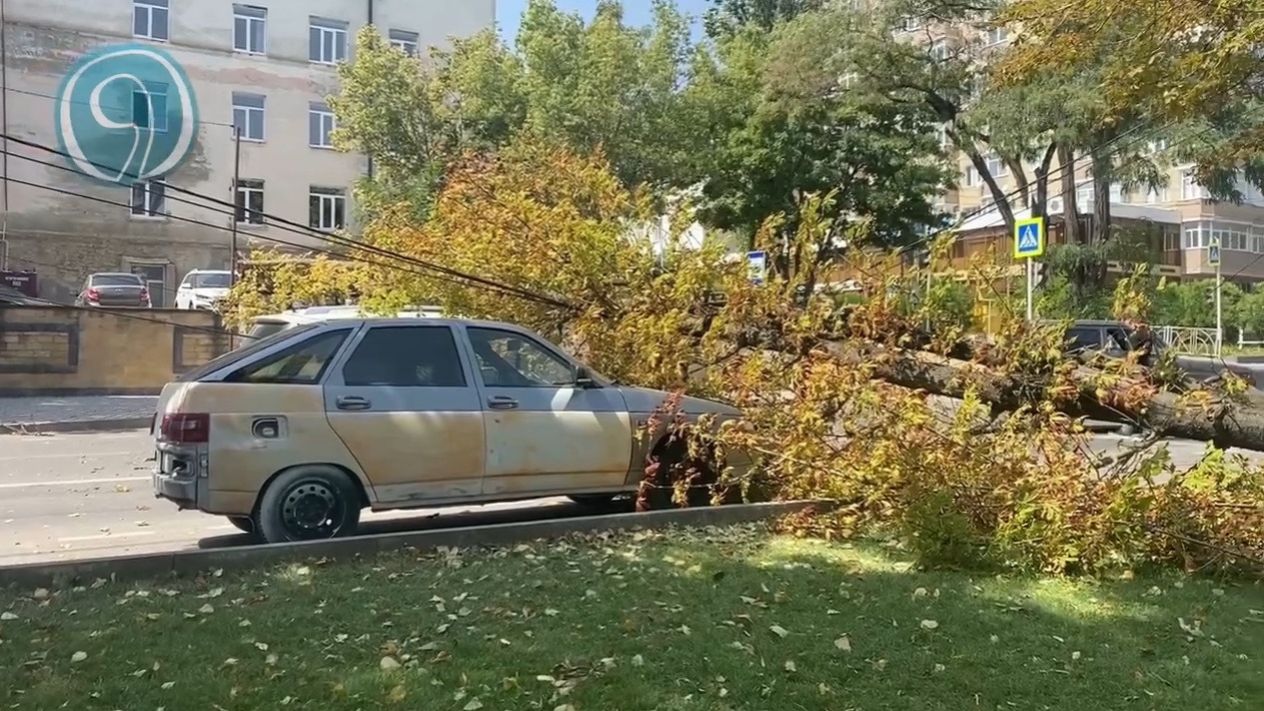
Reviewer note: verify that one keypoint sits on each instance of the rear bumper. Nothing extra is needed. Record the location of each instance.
(181, 475)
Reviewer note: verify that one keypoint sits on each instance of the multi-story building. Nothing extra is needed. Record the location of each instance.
(132, 91)
(1179, 215)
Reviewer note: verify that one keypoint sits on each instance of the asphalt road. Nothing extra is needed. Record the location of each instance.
(88, 495)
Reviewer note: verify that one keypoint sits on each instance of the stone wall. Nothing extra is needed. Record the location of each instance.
(53, 350)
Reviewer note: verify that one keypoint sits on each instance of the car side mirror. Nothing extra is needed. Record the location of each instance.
(584, 379)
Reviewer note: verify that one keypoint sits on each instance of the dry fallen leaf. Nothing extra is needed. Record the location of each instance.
(389, 663)
(78, 657)
(473, 705)
(397, 694)
(7, 616)
(168, 684)
(929, 624)
(790, 666)
(638, 660)
(779, 631)
(843, 643)
(206, 609)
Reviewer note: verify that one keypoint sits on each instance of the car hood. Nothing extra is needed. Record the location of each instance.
(647, 400)
(209, 293)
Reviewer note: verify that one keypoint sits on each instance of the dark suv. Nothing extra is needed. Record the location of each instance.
(1115, 339)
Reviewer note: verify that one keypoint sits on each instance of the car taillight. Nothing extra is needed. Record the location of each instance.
(185, 428)
(94, 295)
(144, 294)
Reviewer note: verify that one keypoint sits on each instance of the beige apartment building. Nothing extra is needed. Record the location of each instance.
(1181, 216)
(262, 66)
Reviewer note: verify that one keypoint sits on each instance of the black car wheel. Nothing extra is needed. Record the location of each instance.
(309, 503)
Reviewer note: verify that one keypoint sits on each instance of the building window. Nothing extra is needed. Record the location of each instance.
(945, 141)
(995, 36)
(996, 167)
(1156, 196)
(404, 41)
(969, 179)
(320, 123)
(250, 202)
(1116, 193)
(149, 198)
(248, 116)
(149, 106)
(1190, 189)
(250, 29)
(327, 208)
(1171, 240)
(912, 23)
(149, 19)
(328, 41)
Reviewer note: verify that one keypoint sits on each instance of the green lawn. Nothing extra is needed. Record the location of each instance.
(721, 619)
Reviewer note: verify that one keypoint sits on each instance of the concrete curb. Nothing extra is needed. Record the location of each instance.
(190, 562)
(111, 425)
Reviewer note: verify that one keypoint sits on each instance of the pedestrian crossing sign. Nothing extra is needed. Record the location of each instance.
(1029, 238)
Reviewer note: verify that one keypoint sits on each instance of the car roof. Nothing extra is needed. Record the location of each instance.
(127, 274)
(209, 271)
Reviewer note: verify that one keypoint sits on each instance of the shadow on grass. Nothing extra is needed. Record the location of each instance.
(720, 619)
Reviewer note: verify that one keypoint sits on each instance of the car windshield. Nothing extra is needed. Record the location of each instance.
(263, 329)
(210, 280)
(115, 280)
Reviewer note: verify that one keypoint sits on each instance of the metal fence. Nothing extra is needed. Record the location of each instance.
(1188, 340)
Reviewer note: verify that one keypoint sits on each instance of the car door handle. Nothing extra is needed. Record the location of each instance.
(353, 402)
(500, 402)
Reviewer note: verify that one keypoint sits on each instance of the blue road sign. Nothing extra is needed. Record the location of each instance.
(1213, 254)
(757, 262)
(1029, 238)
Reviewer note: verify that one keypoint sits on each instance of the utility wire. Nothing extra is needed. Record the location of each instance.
(308, 231)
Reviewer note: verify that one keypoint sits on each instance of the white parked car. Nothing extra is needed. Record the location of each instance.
(270, 324)
(203, 289)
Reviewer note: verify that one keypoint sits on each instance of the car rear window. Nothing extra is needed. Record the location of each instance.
(210, 280)
(253, 346)
(115, 280)
(301, 364)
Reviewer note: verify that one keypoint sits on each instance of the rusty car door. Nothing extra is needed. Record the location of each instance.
(404, 402)
(544, 434)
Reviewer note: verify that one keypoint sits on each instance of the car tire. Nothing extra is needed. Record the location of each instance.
(245, 524)
(308, 503)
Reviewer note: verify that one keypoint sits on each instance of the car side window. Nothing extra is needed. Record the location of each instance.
(1117, 341)
(301, 364)
(510, 360)
(406, 356)
(1081, 339)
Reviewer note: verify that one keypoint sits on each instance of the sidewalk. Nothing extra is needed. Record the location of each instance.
(69, 414)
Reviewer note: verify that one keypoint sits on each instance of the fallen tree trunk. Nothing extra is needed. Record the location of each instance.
(1199, 415)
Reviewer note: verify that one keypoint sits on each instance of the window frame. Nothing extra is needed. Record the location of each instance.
(552, 353)
(153, 200)
(250, 15)
(320, 111)
(456, 353)
(245, 189)
(323, 27)
(403, 39)
(341, 334)
(334, 196)
(155, 113)
(241, 101)
(150, 8)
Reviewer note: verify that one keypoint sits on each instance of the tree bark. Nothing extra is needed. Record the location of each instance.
(1070, 211)
(1227, 424)
(1103, 177)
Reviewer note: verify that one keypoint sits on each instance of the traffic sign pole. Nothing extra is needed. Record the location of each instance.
(1031, 289)
(1219, 313)
(1029, 243)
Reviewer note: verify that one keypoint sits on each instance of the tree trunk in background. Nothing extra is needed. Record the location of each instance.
(1103, 177)
(1070, 211)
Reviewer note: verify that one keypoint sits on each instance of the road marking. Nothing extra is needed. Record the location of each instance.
(101, 536)
(93, 455)
(73, 482)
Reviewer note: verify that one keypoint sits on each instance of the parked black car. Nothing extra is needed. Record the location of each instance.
(1115, 339)
(12, 297)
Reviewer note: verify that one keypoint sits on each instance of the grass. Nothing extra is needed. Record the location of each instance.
(718, 619)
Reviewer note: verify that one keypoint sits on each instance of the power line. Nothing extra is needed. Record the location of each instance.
(307, 231)
(61, 99)
(295, 245)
